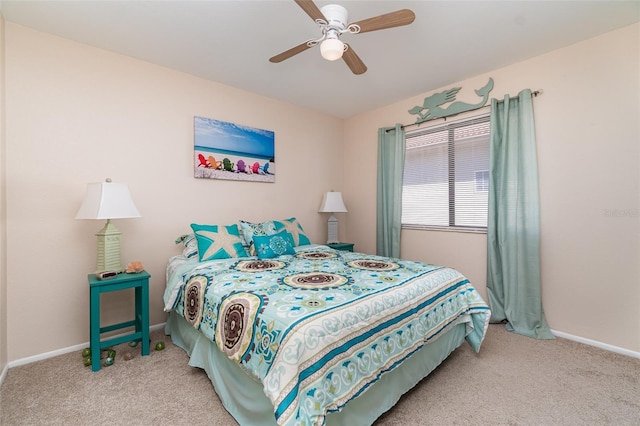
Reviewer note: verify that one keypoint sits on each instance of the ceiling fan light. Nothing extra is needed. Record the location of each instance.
(332, 49)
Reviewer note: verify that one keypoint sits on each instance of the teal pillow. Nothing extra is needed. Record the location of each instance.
(249, 230)
(218, 242)
(293, 227)
(270, 246)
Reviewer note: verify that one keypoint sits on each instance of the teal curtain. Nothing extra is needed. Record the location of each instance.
(513, 228)
(391, 145)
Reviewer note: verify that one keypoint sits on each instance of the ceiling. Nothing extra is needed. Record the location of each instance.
(231, 41)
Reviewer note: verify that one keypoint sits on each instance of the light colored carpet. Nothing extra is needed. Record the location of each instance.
(514, 380)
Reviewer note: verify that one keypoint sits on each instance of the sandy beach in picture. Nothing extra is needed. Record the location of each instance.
(208, 172)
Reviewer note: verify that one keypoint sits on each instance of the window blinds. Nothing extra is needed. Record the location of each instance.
(446, 177)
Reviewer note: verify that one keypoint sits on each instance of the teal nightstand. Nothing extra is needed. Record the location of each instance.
(140, 283)
(341, 246)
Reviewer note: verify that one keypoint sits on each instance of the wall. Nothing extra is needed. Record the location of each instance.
(3, 218)
(76, 114)
(588, 153)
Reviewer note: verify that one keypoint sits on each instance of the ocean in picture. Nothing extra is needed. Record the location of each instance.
(224, 150)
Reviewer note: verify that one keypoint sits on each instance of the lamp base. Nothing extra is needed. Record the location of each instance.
(332, 230)
(109, 248)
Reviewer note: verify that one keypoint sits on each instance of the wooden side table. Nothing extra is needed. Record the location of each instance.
(341, 246)
(140, 283)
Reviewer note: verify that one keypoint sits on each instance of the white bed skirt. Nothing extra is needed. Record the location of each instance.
(245, 400)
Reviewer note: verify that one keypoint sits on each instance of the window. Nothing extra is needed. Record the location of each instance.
(446, 177)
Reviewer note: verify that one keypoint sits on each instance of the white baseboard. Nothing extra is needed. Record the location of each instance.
(3, 374)
(46, 355)
(81, 346)
(597, 344)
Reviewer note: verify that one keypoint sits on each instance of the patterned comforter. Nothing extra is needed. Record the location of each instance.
(319, 327)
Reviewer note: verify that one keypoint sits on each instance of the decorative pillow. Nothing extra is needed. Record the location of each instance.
(190, 245)
(269, 246)
(218, 242)
(295, 229)
(249, 230)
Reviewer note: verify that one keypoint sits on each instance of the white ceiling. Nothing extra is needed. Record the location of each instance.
(231, 41)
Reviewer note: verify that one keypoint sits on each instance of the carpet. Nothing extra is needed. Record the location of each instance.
(514, 380)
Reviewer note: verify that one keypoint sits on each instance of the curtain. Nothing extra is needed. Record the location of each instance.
(391, 149)
(513, 228)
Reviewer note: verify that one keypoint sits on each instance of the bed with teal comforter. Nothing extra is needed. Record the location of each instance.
(315, 330)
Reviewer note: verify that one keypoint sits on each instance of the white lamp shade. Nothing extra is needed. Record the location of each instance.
(107, 200)
(331, 49)
(332, 203)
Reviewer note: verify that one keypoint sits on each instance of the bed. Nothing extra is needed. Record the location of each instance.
(295, 333)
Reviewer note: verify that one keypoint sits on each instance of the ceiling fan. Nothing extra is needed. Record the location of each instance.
(333, 22)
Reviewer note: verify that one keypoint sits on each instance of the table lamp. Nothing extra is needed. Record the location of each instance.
(332, 203)
(108, 200)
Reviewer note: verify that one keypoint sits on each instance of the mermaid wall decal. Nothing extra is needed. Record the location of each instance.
(431, 108)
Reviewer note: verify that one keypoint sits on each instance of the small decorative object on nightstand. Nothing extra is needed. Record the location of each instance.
(140, 283)
(341, 246)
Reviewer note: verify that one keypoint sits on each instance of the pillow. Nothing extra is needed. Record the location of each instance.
(218, 242)
(295, 229)
(249, 230)
(269, 246)
(190, 245)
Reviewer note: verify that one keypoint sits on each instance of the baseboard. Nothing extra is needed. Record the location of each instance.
(46, 355)
(3, 374)
(597, 344)
(81, 346)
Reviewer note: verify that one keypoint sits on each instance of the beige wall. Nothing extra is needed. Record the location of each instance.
(588, 151)
(76, 114)
(3, 220)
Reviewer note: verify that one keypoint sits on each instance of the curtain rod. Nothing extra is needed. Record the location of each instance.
(534, 93)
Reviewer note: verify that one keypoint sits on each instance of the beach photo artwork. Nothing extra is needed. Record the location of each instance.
(231, 151)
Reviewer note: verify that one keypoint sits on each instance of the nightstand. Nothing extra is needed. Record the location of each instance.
(140, 283)
(341, 246)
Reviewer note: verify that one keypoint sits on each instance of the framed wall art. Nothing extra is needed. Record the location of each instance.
(224, 150)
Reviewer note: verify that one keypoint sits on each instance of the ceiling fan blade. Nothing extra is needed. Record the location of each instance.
(353, 61)
(289, 53)
(388, 20)
(311, 9)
